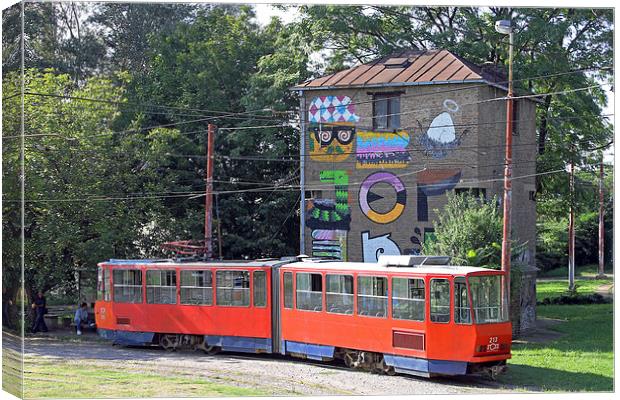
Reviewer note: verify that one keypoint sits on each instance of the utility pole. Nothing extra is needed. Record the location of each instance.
(209, 191)
(571, 227)
(601, 224)
(505, 27)
(302, 174)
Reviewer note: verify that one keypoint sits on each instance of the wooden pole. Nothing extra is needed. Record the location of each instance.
(508, 179)
(209, 192)
(571, 228)
(601, 223)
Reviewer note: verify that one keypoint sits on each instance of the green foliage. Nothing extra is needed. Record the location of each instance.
(469, 230)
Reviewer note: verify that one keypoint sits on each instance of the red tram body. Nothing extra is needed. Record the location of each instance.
(392, 316)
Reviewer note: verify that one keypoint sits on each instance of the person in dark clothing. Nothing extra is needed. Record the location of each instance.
(39, 309)
(6, 303)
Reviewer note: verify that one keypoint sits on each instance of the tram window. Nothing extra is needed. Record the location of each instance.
(462, 312)
(309, 291)
(339, 294)
(106, 284)
(288, 290)
(100, 283)
(161, 287)
(127, 285)
(440, 300)
(260, 288)
(233, 288)
(372, 300)
(408, 299)
(197, 287)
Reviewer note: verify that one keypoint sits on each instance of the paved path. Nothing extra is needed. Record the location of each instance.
(275, 374)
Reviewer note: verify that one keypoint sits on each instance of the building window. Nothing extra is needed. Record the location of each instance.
(161, 287)
(233, 288)
(127, 285)
(309, 291)
(260, 288)
(408, 299)
(386, 111)
(197, 287)
(475, 192)
(339, 294)
(372, 296)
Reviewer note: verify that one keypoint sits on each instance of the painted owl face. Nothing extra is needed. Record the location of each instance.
(332, 143)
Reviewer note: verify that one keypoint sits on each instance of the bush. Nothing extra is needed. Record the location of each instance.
(593, 298)
(469, 229)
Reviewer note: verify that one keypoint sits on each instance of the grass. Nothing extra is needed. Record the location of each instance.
(71, 379)
(582, 359)
(11, 372)
(586, 271)
(557, 288)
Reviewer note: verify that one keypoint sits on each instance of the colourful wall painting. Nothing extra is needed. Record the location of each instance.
(441, 136)
(330, 219)
(332, 109)
(373, 247)
(382, 150)
(434, 182)
(370, 198)
(332, 143)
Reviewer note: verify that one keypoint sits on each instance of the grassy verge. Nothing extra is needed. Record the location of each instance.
(557, 288)
(581, 360)
(11, 372)
(68, 379)
(586, 271)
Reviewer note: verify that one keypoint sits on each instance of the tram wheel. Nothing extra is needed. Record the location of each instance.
(213, 350)
(169, 342)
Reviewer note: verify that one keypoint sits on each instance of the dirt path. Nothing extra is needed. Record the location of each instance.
(274, 374)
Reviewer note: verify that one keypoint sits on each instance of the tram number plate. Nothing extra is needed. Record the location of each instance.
(493, 345)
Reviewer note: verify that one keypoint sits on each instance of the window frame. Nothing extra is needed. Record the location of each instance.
(217, 288)
(291, 306)
(423, 300)
(162, 272)
(467, 296)
(265, 287)
(140, 286)
(430, 300)
(181, 287)
(322, 292)
(390, 115)
(352, 294)
(386, 297)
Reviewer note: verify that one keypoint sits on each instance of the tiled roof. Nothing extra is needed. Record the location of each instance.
(409, 67)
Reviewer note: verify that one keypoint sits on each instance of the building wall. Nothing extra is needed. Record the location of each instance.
(362, 204)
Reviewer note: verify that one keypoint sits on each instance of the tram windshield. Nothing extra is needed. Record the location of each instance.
(488, 302)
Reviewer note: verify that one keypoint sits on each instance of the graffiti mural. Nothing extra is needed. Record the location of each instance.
(441, 136)
(382, 204)
(434, 182)
(373, 247)
(382, 150)
(330, 219)
(332, 109)
(331, 143)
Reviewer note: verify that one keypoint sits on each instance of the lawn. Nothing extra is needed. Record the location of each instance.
(54, 378)
(587, 271)
(557, 288)
(580, 360)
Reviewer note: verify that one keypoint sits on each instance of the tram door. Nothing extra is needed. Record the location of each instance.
(440, 335)
(276, 327)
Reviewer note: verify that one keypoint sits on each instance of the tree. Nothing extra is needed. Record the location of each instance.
(469, 230)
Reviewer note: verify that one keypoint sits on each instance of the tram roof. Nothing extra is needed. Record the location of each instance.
(308, 264)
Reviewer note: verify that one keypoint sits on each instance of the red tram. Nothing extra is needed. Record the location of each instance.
(398, 315)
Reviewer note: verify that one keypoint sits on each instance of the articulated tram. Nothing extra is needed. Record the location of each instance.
(403, 314)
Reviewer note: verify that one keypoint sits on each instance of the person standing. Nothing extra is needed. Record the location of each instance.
(81, 317)
(6, 304)
(39, 307)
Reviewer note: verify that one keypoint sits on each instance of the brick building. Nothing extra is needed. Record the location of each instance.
(382, 143)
